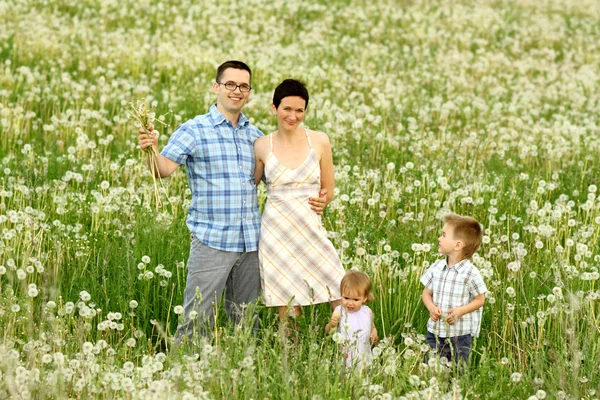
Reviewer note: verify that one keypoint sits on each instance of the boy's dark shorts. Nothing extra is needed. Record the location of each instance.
(459, 346)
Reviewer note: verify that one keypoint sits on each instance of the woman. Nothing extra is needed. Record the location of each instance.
(298, 264)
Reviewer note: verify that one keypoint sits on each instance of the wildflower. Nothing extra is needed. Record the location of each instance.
(516, 377)
(414, 380)
(514, 266)
(130, 342)
(85, 296)
(337, 337)
(87, 348)
(178, 310)
(540, 394)
(15, 308)
(32, 291)
(145, 259)
(557, 292)
(133, 304)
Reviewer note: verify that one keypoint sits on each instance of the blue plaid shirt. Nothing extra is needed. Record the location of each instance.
(219, 160)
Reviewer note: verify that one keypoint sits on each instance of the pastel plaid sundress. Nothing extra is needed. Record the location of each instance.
(298, 263)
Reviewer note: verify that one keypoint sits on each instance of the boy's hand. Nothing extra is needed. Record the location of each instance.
(435, 314)
(454, 315)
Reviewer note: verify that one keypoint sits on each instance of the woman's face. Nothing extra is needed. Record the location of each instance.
(290, 112)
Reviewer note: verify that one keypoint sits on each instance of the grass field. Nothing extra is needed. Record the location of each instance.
(486, 108)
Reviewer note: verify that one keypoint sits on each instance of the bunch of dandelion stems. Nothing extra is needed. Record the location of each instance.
(145, 116)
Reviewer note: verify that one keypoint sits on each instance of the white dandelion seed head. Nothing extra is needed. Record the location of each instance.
(85, 296)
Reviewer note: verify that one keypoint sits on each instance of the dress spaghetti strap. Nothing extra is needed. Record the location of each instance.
(308, 137)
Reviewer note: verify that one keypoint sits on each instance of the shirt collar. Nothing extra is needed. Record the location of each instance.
(458, 266)
(218, 118)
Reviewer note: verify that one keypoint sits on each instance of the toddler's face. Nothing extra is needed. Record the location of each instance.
(353, 301)
(446, 242)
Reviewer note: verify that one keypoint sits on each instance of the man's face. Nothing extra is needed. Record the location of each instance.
(232, 101)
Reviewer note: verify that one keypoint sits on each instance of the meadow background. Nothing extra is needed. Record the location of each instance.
(487, 108)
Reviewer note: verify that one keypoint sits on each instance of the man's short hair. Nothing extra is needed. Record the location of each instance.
(288, 88)
(232, 64)
(466, 229)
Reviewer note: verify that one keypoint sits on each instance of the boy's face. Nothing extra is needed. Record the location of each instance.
(447, 245)
(353, 301)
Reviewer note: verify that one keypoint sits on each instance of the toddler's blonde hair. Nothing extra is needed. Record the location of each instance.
(357, 283)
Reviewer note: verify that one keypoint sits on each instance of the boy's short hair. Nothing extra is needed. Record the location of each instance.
(466, 229)
(356, 280)
(288, 88)
(232, 64)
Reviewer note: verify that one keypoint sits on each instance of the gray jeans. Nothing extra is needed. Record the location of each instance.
(210, 272)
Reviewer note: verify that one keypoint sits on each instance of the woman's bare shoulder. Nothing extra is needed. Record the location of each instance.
(318, 137)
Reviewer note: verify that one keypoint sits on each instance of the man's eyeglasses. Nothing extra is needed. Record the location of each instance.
(231, 86)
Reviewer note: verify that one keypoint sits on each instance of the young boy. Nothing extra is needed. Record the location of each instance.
(454, 290)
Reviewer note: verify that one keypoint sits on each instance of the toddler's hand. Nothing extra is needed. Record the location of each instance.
(335, 320)
(454, 315)
(373, 336)
(435, 314)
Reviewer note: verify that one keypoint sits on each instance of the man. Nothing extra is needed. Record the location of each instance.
(224, 219)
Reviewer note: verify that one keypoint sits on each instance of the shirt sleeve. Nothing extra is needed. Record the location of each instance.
(476, 284)
(427, 278)
(181, 144)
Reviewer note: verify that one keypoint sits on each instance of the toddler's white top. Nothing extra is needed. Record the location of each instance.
(355, 329)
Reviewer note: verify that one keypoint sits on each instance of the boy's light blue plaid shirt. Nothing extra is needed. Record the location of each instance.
(454, 287)
(219, 161)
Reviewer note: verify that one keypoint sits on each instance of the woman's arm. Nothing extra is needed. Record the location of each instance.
(260, 146)
(327, 175)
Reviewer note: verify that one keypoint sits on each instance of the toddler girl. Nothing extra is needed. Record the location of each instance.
(353, 320)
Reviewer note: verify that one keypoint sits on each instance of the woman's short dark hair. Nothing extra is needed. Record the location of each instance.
(288, 88)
